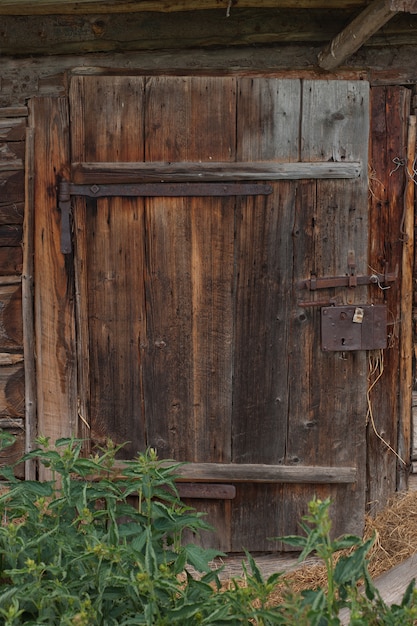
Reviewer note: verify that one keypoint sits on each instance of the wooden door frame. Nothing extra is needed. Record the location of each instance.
(53, 277)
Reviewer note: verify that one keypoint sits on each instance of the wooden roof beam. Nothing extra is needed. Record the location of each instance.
(366, 24)
(45, 7)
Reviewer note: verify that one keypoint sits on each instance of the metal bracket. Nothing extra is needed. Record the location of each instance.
(349, 280)
(66, 189)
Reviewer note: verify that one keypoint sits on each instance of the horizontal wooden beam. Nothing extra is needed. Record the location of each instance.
(44, 7)
(216, 491)
(351, 38)
(120, 173)
(408, 6)
(251, 473)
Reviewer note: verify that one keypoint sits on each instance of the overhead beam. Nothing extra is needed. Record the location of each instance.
(362, 27)
(44, 7)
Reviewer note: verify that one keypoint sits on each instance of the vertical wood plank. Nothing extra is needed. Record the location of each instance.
(328, 408)
(190, 274)
(108, 125)
(406, 341)
(268, 129)
(27, 306)
(389, 110)
(53, 276)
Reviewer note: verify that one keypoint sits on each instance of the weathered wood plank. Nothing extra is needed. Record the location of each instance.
(66, 34)
(191, 275)
(11, 213)
(109, 243)
(11, 327)
(353, 36)
(260, 407)
(44, 7)
(12, 391)
(406, 310)
(28, 305)
(206, 491)
(54, 297)
(12, 129)
(13, 111)
(69, 34)
(12, 187)
(10, 235)
(391, 585)
(10, 262)
(11, 155)
(101, 173)
(251, 472)
(330, 220)
(390, 107)
(7, 358)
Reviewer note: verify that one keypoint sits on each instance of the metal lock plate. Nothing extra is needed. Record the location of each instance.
(361, 327)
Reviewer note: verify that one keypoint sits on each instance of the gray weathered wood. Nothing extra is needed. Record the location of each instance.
(8, 358)
(206, 491)
(12, 128)
(27, 306)
(351, 38)
(101, 173)
(391, 585)
(261, 473)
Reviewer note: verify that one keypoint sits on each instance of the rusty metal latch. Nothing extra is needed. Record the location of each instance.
(349, 280)
(66, 189)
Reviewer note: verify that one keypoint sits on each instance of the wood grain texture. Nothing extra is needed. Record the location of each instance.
(81, 34)
(122, 173)
(23, 7)
(330, 220)
(12, 391)
(53, 276)
(190, 275)
(205, 337)
(27, 306)
(12, 187)
(406, 309)
(107, 270)
(390, 107)
(12, 128)
(356, 33)
(11, 325)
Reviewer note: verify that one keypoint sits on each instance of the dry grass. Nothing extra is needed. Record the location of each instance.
(395, 531)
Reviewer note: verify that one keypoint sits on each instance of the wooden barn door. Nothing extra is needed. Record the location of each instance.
(196, 333)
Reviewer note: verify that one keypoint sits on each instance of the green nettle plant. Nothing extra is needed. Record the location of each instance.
(93, 546)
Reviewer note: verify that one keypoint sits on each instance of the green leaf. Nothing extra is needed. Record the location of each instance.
(199, 557)
(293, 540)
(256, 572)
(350, 568)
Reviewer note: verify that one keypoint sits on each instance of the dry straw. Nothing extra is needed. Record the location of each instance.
(395, 531)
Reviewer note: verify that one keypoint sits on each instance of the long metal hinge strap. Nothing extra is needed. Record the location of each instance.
(170, 189)
(68, 189)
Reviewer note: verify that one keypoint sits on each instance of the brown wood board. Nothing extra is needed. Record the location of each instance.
(53, 277)
(389, 111)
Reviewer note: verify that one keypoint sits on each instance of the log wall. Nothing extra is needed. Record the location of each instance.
(12, 198)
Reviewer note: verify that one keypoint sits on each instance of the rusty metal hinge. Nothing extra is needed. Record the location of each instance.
(66, 189)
